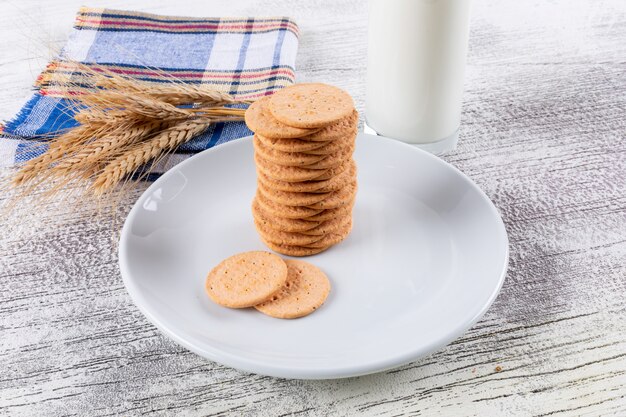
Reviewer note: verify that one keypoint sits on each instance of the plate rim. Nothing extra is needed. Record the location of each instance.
(248, 365)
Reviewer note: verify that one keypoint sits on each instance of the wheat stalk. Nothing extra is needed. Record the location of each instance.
(145, 152)
(95, 152)
(124, 125)
(57, 149)
(172, 94)
(135, 103)
(175, 92)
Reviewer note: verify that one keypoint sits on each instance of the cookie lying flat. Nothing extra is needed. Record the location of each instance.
(332, 238)
(290, 174)
(285, 158)
(305, 290)
(335, 131)
(288, 212)
(246, 279)
(329, 226)
(342, 197)
(333, 172)
(289, 144)
(284, 238)
(330, 172)
(325, 215)
(323, 186)
(281, 223)
(310, 105)
(332, 161)
(293, 250)
(289, 198)
(260, 120)
(335, 146)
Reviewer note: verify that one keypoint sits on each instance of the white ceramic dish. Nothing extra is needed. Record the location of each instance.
(426, 258)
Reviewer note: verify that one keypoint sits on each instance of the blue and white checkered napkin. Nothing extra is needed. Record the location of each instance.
(246, 57)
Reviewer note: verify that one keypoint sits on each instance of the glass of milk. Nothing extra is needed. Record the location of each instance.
(416, 60)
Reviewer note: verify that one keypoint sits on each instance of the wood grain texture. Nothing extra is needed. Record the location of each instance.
(543, 134)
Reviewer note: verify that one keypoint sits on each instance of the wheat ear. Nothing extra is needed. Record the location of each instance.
(170, 93)
(143, 153)
(136, 103)
(57, 149)
(98, 150)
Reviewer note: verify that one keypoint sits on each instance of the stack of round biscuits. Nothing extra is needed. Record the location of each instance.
(304, 140)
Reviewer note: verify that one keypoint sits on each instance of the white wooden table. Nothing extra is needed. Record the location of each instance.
(543, 134)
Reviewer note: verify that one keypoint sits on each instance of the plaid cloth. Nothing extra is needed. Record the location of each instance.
(246, 57)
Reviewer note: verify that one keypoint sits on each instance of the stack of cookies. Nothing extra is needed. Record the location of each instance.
(304, 140)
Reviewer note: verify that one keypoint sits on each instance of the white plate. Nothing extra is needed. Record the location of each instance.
(426, 258)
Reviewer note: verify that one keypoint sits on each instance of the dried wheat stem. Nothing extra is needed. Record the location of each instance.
(136, 103)
(144, 152)
(96, 152)
(57, 149)
(124, 124)
(217, 111)
(173, 93)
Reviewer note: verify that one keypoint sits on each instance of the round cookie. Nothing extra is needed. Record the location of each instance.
(332, 238)
(293, 250)
(310, 105)
(338, 198)
(306, 289)
(324, 186)
(331, 214)
(284, 238)
(290, 144)
(246, 279)
(332, 161)
(285, 158)
(281, 223)
(335, 131)
(333, 172)
(335, 146)
(330, 172)
(290, 174)
(329, 226)
(288, 212)
(288, 198)
(259, 119)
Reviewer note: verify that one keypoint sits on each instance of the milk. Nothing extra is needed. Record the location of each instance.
(416, 60)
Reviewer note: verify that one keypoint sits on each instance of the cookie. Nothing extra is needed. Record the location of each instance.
(290, 144)
(324, 186)
(329, 226)
(288, 212)
(288, 198)
(310, 105)
(246, 279)
(284, 238)
(338, 198)
(285, 158)
(282, 223)
(259, 119)
(332, 161)
(333, 172)
(332, 238)
(293, 250)
(335, 146)
(332, 213)
(290, 174)
(306, 289)
(335, 131)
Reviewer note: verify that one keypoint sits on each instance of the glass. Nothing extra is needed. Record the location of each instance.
(416, 60)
